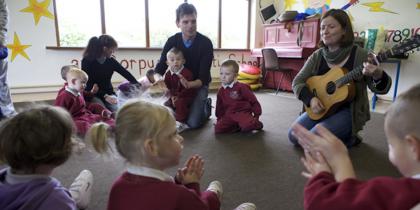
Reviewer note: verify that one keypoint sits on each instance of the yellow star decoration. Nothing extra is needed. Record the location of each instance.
(377, 7)
(288, 4)
(38, 9)
(418, 5)
(18, 48)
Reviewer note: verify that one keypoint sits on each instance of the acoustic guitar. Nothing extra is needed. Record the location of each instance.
(336, 87)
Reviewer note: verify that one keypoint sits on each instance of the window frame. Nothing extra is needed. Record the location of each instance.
(147, 29)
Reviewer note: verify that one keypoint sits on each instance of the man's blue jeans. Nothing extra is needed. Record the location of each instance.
(198, 115)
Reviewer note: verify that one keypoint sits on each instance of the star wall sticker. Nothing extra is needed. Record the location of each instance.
(17, 48)
(377, 7)
(38, 9)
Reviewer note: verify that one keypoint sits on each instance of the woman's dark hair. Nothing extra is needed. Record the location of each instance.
(38, 136)
(344, 20)
(185, 9)
(96, 45)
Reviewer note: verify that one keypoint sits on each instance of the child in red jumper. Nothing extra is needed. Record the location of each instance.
(87, 95)
(146, 137)
(180, 98)
(71, 98)
(333, 183)
(237, 108)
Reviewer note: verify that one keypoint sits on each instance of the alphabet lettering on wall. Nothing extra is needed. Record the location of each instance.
(142, 64)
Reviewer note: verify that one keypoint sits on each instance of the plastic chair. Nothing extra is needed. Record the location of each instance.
(271, 63)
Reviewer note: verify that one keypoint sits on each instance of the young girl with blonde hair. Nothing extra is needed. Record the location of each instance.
(146, 137)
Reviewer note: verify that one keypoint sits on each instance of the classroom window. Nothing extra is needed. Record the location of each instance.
(77, 23)
(162, 18)
(234, 29)
(207, 18)
(126, 21)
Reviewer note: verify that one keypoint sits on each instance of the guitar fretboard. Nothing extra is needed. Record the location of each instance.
(352, 75)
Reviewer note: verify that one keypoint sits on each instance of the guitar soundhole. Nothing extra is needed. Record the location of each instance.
(331, 88)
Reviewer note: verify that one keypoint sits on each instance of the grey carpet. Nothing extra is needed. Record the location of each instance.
(263, 167)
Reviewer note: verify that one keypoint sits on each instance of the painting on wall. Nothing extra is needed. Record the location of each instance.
(316, 6)
(321, 6)
(377, 7)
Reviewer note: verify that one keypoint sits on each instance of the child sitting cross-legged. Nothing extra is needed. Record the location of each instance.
(72, 100)
(333, 183)
(33, 144)
(146, 137)
(237, 108)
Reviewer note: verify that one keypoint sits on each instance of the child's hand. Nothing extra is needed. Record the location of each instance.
(95, 88)
(159, 83)
(192, 171)
(173, 99)
(106, 114)
(314, 165)
(184, 82)
(332, 149)
(111, 99)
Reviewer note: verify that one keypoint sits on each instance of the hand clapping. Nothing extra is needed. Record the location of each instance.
(324, 152)
(192, 171)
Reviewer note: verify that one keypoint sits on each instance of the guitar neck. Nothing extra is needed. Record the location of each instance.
(357, 72)
(351, 76)
(397, 49)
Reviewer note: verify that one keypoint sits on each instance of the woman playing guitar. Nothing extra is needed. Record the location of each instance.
(337, 50)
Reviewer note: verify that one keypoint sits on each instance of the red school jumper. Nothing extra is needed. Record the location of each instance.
(76, 105)
(381, 193)
(134, 192)
(237, 108)
(185, 96)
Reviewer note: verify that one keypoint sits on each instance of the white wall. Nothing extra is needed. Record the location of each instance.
(43, 68)
(408, 17)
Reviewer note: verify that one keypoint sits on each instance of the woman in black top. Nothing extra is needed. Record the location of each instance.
(99, 64)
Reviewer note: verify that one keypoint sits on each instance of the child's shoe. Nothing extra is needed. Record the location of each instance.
(81, 189)
(216, 187)
(246, 206)
(181, 127)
